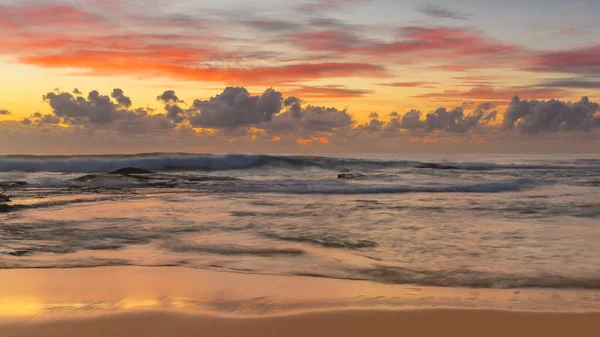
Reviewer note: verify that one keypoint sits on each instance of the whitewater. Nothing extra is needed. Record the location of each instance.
(476, 221)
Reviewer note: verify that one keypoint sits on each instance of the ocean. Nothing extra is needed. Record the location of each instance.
(446, 220)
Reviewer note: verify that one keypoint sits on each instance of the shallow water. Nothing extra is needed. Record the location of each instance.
(485, 221)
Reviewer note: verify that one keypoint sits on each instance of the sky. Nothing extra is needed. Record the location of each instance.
(107, 76)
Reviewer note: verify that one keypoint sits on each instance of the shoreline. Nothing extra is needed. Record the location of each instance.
(106, 290)
(184, 302)
(332, 323)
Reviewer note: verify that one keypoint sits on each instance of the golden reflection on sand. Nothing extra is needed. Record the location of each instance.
(23, 306)
(38, 292)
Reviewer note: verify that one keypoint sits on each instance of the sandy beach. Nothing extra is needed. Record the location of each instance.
(427, 323)
(138, 301)
(299, 168)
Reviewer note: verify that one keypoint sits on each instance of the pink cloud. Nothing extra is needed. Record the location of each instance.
(162, 64)
(487, 93)
(584, 60)
(44, 15)
(101, 49)
(461, 41)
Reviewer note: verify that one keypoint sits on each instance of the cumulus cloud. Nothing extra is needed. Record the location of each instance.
(96, 109)
(374, 125)
(392, 128)
(236, 107)
(169, 96)
(99, 111)
(308, 120)
(4, 112)
(294, 104)
(314, 120)
(535, 117)
(411, 120)
(322, 119)
(120, 97)
(48, 119)
(484, 114)
(451, 121)
(236, 116)
(441, 121)
(236, 111)
(174, 112)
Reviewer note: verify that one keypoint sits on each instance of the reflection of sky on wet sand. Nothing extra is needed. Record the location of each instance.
(40, 292)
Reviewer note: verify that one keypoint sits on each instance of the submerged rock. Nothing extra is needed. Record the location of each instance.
(438, 166)
(126, 172)
(4, 208)
(4, 198)
(131, 170)
(351, 176)
(21, 252)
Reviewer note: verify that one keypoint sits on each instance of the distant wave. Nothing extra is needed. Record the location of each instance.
(318, 188)
(173, 162)
(207, 162)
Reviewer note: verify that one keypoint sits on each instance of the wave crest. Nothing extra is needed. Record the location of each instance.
(209, 162)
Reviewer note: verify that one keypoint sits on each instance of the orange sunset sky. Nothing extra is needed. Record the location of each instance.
(91, 76)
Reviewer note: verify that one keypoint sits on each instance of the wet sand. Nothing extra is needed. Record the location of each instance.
(137, 301)
(426, 323)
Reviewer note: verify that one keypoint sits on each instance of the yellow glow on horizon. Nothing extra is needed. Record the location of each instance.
(27, 84)
(143, 91)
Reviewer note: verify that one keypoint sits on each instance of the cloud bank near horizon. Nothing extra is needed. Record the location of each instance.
(272, 120)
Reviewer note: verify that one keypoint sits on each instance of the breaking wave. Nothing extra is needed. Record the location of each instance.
(207, 162)
(166, 162)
